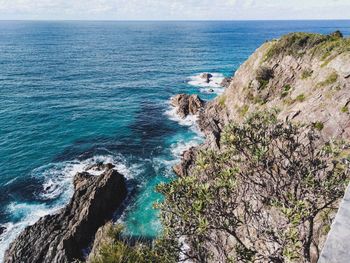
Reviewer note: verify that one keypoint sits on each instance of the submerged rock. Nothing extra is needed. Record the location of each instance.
(206, 77)
(62, 236)
(187, 104)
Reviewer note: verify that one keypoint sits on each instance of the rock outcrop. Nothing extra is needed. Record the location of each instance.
(187, 104)
(62, 236)
(206, 77)
(187, 161)
(304, 77)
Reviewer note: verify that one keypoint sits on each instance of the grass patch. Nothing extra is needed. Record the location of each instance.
(300, 98)
(294, 44)
(344, 109)
(326, 47)
(243, 110)
(222, 100)
(331, 79)
(318, 125)
(286, 90)
(307, 73)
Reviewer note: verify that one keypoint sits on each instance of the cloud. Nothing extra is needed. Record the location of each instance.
(173, 9)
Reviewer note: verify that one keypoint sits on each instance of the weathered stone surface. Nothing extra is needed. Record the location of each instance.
(102, 237)
(226, 82)
(187, 161)
(62, 236)
(187, 104)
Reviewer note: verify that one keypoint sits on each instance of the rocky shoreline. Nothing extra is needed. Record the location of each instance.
(61, 237)
(300, 88)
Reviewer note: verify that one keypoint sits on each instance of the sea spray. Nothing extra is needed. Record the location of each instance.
(57, 188)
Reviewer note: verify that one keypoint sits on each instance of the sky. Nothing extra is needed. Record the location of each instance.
(173, 9)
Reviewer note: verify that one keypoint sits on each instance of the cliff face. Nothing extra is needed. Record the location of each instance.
(306, 77)
(62, 236)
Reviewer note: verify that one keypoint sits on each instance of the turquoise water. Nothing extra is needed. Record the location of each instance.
(72, 93)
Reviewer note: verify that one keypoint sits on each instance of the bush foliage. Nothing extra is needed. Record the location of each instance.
(259, 199)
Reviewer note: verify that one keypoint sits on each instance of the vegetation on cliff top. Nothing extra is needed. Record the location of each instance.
(298, 44)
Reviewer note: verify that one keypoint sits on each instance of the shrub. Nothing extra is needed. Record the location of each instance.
(259, 198)
(344, 109)
(294, 44)
(123, 250)
(307, 73)
(331, 79)
(318, 125)
(325, 47)
(300, 98)
(263, 76)
(286, 90)
(337, 34)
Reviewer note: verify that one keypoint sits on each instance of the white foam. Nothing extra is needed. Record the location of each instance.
(180, 147)
(57, 187)
(214, 83)
(190, 120)
(30, 214)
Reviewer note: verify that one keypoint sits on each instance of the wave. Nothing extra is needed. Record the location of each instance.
(171, 113)
(180, 147)
(57, 190)
(214, 85)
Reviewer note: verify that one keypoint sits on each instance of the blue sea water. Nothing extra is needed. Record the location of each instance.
(73, 93)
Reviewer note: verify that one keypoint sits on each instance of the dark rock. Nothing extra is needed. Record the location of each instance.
(226, 82)
(337, 34)
(206, 77)
(62, 236)
(187, 104)
(211, 90)
(187, 162)
(2, 229)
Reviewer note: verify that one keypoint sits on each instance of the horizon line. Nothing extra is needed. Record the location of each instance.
(174, 20)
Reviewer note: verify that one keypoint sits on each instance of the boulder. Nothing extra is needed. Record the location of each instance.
(62, 236)
(187, 104)
(206, 77)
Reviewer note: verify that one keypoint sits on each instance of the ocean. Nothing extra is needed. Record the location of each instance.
(76, 92)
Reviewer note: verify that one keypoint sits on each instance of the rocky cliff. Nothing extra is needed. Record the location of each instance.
(62, 236)
(305, 79)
